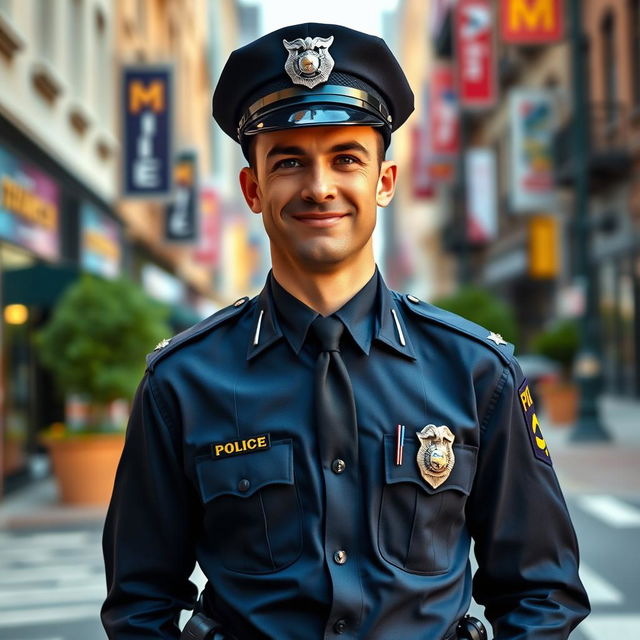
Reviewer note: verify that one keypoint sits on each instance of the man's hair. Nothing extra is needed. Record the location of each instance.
(251, 152)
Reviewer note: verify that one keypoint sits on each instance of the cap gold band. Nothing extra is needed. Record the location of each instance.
(370, 102)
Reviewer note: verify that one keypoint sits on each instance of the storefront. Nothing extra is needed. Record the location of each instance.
(619, 295)
(52, 228)
(30, 229)
(616, 264)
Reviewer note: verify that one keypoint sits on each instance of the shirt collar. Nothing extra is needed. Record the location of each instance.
(370, 314)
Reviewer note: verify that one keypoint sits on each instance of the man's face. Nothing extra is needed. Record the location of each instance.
(317, 189)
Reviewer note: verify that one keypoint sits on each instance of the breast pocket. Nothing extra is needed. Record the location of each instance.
(252, 510)
(418, 525)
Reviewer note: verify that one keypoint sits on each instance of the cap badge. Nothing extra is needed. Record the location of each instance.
(435, 455)
(309, 62)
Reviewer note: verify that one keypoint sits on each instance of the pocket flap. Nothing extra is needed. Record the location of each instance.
(243, 475)
(460, 478)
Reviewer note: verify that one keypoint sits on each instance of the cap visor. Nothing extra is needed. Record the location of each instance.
(311, 115)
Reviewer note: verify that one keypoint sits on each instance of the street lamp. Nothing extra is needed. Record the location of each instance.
(588, 368)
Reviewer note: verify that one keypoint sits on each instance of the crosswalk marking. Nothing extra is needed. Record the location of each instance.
(78, 593)
(53, 573)
(46, 615)
(47, 578)
(600, 591)
(610, 510)
(610, 627)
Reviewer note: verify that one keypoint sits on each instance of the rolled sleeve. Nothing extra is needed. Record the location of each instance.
(150, 529)
(525, 543)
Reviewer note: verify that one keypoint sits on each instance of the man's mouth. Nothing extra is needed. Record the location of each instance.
(320, 219)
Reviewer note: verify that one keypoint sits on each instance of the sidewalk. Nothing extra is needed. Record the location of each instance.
(594, 467)
(37, 506)
(611, 467)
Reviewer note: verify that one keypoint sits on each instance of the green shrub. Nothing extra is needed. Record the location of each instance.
(484, 308)
(97, 338)
(560, 342)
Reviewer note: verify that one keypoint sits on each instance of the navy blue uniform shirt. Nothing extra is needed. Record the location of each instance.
(222, 466)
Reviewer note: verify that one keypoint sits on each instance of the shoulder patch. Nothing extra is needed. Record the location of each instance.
(168, 346)
(461, 325)
(538, 443)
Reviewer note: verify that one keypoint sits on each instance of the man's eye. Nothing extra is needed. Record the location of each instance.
(287, 163)
(347, 160)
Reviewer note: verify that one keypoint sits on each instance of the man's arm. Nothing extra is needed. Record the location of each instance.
(150, 530)
(524, 540)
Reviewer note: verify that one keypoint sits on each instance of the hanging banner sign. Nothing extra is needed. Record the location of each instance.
(532, 117)
(475, 59)
(439, 11)
(100, 251)
(482, 205)
(181, 220)
(532, 21)
(29, 207)
(208, 249)
(147, 103)
(444, 112)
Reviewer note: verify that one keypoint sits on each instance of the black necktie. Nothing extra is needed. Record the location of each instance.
(335, 405)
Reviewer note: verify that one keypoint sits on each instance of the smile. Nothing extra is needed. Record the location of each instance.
(325, 219)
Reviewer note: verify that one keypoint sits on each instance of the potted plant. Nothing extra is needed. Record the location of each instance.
(559, 394)
(95, 345)
(484, 308)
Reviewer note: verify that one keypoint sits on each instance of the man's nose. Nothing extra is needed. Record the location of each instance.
(319, 184)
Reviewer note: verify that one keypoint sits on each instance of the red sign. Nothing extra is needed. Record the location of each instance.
(208, 250)
(421, 182)
(532, 21)
(475, 53)
(444, 112)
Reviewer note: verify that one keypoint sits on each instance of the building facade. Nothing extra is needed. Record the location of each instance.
(58, 163)
(62, 209)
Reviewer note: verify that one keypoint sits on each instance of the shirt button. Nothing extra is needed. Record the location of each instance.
(338, 465)
(340, 626)
(340, 556)
(244, 485)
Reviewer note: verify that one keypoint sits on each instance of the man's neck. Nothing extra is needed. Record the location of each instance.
(324, 292)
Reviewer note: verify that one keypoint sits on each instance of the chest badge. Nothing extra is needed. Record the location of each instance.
(309, 62)
(435, 455)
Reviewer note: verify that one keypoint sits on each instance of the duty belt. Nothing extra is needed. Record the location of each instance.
(200, 627)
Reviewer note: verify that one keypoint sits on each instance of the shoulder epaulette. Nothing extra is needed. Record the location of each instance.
(167, 346)
(493, 341)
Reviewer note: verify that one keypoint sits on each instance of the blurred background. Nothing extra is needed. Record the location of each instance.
(122, 223)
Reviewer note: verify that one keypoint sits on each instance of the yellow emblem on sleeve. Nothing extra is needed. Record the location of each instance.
(539, 444)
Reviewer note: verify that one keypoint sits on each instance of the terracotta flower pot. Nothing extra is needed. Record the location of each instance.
(85, 466)
(560, 401)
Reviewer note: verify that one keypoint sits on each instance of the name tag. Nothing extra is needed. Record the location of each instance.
(238, 447)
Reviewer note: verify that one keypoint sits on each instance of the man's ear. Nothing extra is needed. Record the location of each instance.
(251, 189)
(386, 183)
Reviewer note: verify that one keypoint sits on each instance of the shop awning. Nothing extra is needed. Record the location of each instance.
(37, 286)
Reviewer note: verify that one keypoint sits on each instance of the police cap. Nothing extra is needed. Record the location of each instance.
(308, 75)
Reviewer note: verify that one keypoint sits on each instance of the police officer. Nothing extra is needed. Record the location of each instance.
(327, 450)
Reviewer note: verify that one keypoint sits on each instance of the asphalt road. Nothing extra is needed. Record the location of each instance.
(52, 582)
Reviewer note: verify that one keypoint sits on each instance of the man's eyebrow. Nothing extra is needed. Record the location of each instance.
(280, 150)
(351, 145)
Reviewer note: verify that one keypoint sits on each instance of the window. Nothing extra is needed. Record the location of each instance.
(102, 72)
(609, 65)
(634, 24)
(75, 50)
(45, 27)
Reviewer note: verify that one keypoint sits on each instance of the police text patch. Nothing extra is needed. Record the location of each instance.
(238, 447)
(540, 449)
